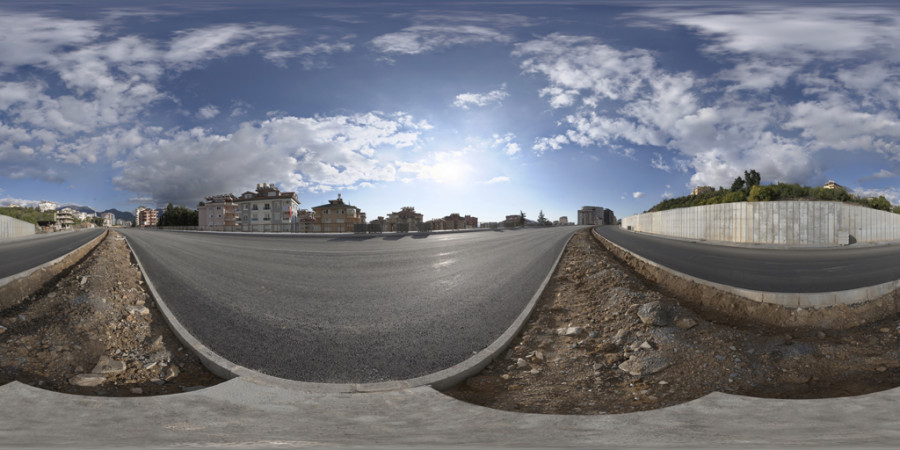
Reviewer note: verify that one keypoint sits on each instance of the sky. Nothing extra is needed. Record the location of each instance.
(481, 108)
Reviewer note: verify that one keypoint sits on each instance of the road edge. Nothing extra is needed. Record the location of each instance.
(438, 380)
(14, 288)
(870, 303)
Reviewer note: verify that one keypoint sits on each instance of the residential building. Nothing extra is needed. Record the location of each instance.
(407, 219)
(700, 190)
(832, 185)
(65, 218)
(337, 216)
(590, 215)
(218, 213)
(455, 221)
(512, 220)
(109, 219)
(268, 209)
(46, 205)
(564, 220)
(146, 217)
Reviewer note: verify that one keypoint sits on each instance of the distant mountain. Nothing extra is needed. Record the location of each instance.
(123, 215)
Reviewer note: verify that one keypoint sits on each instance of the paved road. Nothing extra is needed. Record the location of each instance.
(766, 269)
(20, 254)
(348, 310)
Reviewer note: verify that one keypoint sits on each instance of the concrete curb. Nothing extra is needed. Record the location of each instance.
(790, 299)
(16, 287)
(439, 380)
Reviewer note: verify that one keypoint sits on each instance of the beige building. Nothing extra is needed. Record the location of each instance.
(832, 185)
(109, 219)
(454, 221)
(65, 218)
(337, 216)
(218, 213)
(268, 209)
(406, 218)
(700, 190)
(145, 217)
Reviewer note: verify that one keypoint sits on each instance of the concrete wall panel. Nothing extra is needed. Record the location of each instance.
(781, 223)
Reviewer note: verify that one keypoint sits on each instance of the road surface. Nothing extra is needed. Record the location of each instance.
(348, 309)
(21, 254)
(789, 270)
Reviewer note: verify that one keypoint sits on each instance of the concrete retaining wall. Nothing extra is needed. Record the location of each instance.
(795, 222)
(10, 228)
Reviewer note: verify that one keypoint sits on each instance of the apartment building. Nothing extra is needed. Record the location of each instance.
(65, 218)
(337, 216)
(407, 219)
(109, 219)
(267, 209)
(596, 215)
(218, 213)
(146, 217)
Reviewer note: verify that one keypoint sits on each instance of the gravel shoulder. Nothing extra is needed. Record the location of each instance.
(95, 330)
(603, 340)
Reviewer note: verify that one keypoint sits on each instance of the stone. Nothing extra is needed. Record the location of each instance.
(150, 365)
(569, 331)
(606, 347)
(83, 280)
(521, 363)
(655, 313)
(108, 366)
(646, 346)
(685, 323)
(157, 342)
(87, 379)
(172, 372)
(644, 365)
(137, 391)
(2, 329)
(139, 310)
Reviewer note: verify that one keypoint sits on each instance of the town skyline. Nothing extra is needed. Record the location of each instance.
(480, 109)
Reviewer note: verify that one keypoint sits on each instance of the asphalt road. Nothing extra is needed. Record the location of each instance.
(793, 270)
(348, 310)
(20, 254)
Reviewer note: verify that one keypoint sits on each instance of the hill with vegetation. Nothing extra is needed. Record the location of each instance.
(749, 189)
(30, 215)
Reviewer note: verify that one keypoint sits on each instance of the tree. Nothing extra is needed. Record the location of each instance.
(521, 218)
(543, 220)
(752, 178)
(178, 216)
(97, 221)
(738, 184)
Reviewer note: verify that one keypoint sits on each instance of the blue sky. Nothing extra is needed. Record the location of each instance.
(478, 108)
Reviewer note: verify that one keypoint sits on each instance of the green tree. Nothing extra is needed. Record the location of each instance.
(752, 178)
(542, 220)
(178, 216)
(737, 185)
(521, 218)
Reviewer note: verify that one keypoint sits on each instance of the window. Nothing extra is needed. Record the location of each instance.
(255, 207)
(266, 206)
(351, 211)
(266, 217)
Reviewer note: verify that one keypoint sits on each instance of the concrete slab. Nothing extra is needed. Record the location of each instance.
(239, 413)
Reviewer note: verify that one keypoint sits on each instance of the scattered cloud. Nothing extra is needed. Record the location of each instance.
(425, 38)
(637, 194)
(501, 179)
(466, 99)
(880, 175)
(658, 163)
(891, 194)
(208, 112)
(507, 143)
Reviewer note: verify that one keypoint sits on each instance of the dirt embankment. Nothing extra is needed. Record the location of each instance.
(95, 330)
(603, 339)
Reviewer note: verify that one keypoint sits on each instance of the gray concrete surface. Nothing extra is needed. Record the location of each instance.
(810, 223)
(12, 228)
(240, 414)
(796, 270)
(348, 310)
(20, 254)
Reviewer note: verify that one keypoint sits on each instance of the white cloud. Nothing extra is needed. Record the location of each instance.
(425, 38)
(317, 154)
(501, 179)
(667, 194)
(880, 175)
(658, 163)
(208, 112)
(637, 194)
(507, 143)
(496, 96)
(891, 194)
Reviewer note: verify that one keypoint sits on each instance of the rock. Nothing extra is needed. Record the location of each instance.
(644, 365)
(172, 372)
(655, 313)
(606, 347)
(613, 358)
(139, 310)
(646, 346)
(87, 379)
(108, 366)
(505, 376)
(569, 331)
(150, 365)
(521, 363)
(157, 342)
(2, 329)
(137, 391)
(820, 334)
(685, 323)
(83, 280)
(620, 337)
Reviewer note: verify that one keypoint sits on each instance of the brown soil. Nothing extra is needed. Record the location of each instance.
(91, 311)
(634, 347)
